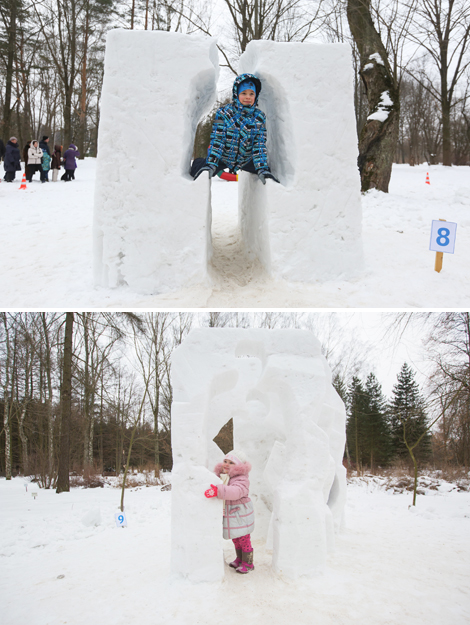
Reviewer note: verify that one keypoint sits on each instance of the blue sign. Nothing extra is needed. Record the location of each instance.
(120, 518)
(443, 236)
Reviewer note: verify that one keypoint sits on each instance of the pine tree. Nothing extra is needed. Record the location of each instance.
(408, 418)
(356, 423)
(378, 440)
(340, 387)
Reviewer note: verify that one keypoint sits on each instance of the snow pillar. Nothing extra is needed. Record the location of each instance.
(307, 228)
(288, 419)
(151, 220)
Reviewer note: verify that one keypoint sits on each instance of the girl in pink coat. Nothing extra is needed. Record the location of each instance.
(238, 515)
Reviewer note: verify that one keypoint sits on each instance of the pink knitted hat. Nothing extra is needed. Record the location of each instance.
(238, 457)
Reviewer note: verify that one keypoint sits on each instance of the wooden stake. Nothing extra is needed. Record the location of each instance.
(439, 258)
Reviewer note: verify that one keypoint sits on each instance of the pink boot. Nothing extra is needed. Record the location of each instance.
(247, 563)
(236, 563)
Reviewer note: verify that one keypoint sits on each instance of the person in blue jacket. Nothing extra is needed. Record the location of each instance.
(238, 137)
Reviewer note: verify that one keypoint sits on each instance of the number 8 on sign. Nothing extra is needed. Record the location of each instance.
(120, 518)
(443, 236)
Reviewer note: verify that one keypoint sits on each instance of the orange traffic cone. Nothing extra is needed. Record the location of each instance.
(427, 178)
(23, 182)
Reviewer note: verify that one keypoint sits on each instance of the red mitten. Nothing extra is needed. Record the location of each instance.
(211, 492)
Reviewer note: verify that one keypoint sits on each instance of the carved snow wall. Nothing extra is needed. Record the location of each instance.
(287, 418)
(151, 220)
(308, 228)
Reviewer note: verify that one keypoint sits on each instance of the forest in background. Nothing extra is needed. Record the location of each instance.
(52, 53)
(103, 381)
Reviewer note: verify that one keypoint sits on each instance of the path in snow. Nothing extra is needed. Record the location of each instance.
(231, 266)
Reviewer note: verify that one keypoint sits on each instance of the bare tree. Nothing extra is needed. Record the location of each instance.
(379, 135)
(442, 29)
(7, 395)
(63, 484)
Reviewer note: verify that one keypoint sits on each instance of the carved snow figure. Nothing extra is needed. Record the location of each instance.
(290, 423)
(152, 223)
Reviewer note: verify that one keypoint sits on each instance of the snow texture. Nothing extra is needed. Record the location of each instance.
(377, 58)
(308, 228)
(383, 108)
(152, 234)
(287, 418)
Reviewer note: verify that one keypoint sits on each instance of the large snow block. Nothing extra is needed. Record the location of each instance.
(287, 418)
(307, 228)
(151, 220)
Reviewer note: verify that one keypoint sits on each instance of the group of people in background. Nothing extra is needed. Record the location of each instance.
(38, 158)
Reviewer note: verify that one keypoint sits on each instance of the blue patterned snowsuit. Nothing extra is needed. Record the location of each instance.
(239, 133)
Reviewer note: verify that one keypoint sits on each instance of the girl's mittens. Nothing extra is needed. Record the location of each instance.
(211, 492)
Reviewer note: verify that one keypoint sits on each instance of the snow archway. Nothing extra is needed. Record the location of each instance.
(289, 420)
(152, 222)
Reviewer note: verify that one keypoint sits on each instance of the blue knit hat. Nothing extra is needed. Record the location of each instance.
(246, 84)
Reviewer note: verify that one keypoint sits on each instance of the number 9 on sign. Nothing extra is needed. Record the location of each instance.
(443, 236)
(120, 518)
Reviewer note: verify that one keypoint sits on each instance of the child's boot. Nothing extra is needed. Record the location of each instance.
(247, 562)
(236, 563)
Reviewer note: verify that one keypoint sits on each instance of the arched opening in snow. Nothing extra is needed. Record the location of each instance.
(239, 228)
(224, 439)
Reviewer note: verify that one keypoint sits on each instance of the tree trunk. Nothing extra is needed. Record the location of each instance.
(83, 99)
(23, 438)
(50, 423)
(379, 135)
(446, 142)
(6, 400)
(63, 484)
(11, 46)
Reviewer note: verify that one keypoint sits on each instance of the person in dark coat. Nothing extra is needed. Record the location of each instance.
(55, 163)
(12, 162)
(25, 154)
(70, 163)
(2, 149)
(45, 149)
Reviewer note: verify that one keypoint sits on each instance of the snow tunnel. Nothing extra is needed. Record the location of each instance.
(275, 386)
(152, 222)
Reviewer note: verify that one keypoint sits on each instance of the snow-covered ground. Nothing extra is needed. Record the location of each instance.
(46, 243)
(65, 561)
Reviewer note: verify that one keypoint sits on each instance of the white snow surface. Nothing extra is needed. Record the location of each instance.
(46, 243)
(287, 418)
(382, 112)
(392, 564)
(377, 58)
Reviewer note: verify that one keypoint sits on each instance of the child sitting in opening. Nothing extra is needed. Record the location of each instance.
(238, 515)
(238, 137)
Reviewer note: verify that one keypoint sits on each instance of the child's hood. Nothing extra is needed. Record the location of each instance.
(235, 469)
(240, 79)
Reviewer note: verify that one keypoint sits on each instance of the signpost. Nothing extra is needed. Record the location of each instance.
(442, 240)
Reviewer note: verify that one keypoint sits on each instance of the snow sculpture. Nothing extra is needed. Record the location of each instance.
(151, 221)
(289, 420)
(309, 227)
